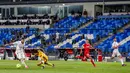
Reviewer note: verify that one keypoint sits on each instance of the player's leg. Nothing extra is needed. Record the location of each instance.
(48, 63)
(84, 56)
(113, 55)
(121, 59)
(41, 64)
(21, 57)
(23, 62)
(91, 60)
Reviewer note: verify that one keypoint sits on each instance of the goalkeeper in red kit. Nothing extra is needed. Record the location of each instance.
(87, 47)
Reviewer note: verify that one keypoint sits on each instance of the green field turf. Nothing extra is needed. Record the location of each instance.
(7, 66)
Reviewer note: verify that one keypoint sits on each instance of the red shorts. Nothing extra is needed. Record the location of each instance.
(86, 53)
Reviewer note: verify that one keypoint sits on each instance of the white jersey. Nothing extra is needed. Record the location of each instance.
(115, 44)
(115, 51)
(19, 49)
(19, 46)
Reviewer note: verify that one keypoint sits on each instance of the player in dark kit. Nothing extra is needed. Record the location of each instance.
(87, 47)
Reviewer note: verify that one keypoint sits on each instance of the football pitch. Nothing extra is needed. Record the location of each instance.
(9, 66)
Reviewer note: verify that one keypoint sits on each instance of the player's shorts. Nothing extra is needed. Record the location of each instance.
(116, 53)
(45, 59)
(20, 55)
(86, 54)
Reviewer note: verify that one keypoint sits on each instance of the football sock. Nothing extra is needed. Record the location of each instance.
(23, 62)
(93, 63)
(49, 64)
(121, 61)
(42, 65)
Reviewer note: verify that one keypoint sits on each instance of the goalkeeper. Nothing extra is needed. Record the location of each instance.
(44, 59)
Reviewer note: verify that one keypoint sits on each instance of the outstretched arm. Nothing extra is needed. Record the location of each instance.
(91, 47)
(12, 43)
(81, 50)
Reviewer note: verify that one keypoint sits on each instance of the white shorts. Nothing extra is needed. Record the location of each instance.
(20, 55)
(116, 53)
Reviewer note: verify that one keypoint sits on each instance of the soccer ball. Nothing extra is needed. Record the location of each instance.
(18, 65)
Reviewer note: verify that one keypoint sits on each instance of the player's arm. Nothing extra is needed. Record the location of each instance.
(114, 47)
(91, 47)
(119, 44)
(81, 50)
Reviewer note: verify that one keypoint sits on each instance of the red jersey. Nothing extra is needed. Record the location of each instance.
(87, 48)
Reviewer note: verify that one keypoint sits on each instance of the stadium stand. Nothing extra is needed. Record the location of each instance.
(8, 35)
(62, 28)
(99, 27)
(66, 26)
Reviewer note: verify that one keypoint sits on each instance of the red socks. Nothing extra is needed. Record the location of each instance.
(93, 63)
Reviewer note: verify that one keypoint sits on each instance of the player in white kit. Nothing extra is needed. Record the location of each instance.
(116, 52)
(20, 51)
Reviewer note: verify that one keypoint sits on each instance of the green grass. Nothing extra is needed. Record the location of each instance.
(7, 66)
